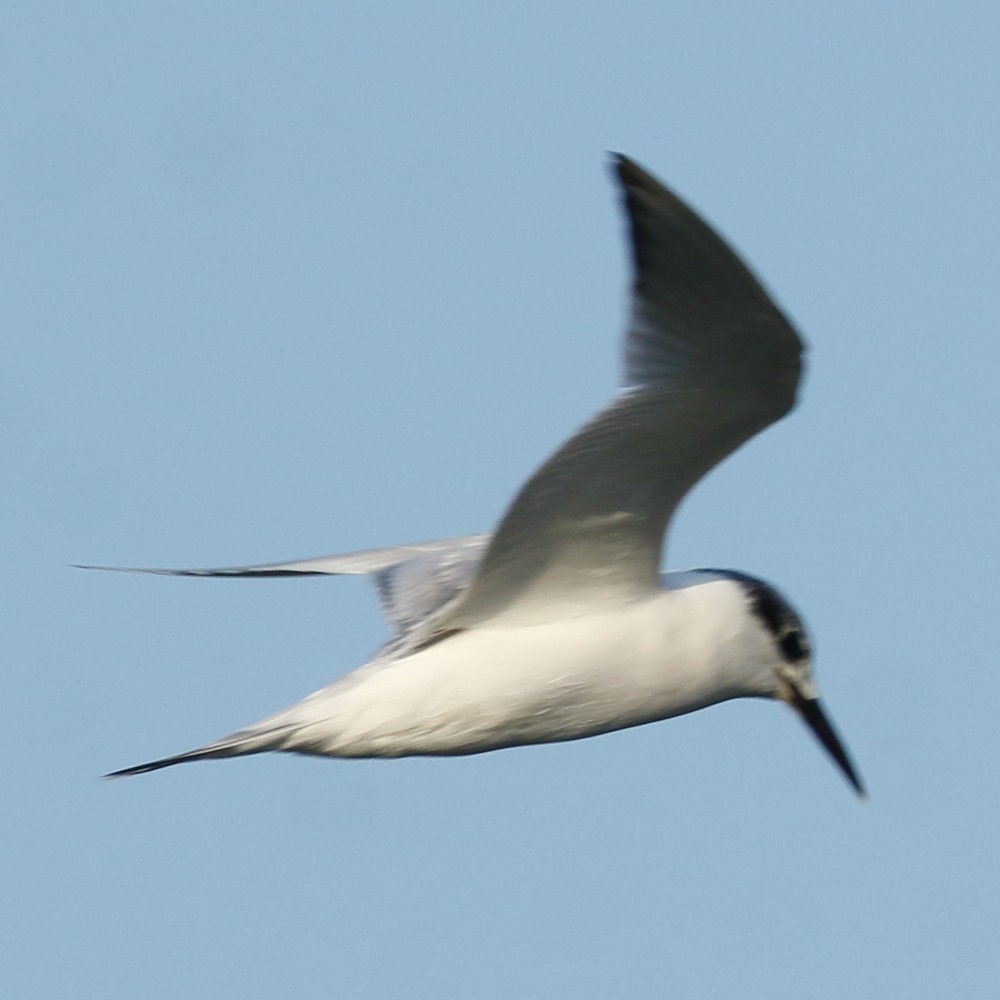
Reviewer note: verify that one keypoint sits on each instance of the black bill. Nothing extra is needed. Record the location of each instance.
(815, 718)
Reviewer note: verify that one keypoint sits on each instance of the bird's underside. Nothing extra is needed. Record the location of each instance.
(556, 625)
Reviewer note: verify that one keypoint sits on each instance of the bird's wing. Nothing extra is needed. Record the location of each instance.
(709, 361)
(416, 589)
(412, 581)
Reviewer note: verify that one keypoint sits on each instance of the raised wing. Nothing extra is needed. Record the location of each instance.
(413, 582)
(709, 361)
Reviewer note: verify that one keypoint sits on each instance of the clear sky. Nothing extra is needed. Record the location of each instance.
(288, 279)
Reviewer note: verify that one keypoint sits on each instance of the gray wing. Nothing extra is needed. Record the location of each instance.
(413, 582)
(709, 361)
(417, 588)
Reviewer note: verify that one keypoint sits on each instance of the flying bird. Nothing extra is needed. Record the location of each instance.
(559, 624)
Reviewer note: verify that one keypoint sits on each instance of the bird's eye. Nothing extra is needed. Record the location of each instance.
(793, 646)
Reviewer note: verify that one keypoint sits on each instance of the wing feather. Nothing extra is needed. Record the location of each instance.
(710, 361)
(413, 582)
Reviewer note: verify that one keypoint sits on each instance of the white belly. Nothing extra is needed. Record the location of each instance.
(496, 687)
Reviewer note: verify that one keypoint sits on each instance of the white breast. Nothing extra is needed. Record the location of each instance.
(488, 688)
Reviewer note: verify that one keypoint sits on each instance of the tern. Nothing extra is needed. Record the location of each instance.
(559, 624)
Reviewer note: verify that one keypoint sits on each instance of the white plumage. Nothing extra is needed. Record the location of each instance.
(558, 625)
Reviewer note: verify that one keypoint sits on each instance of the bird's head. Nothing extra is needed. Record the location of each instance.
(792, 667)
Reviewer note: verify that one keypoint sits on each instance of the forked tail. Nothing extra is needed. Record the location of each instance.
(238, 744)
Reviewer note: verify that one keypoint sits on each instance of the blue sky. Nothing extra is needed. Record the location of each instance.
(282, 280)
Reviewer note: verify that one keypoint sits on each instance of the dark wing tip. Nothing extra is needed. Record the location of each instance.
(631, 174)
(155, 571)
(687, 276)
(234, 571)
(636, 181)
